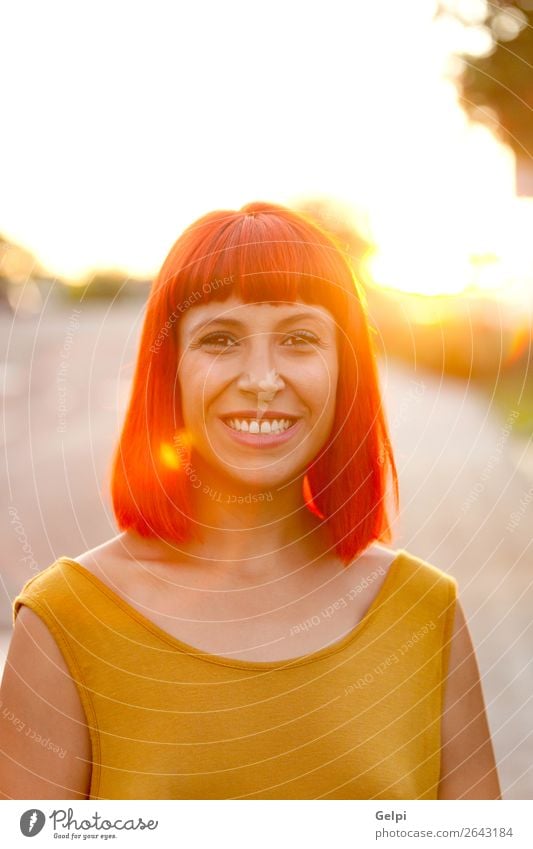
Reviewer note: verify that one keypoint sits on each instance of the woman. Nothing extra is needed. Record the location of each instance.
(247, 634)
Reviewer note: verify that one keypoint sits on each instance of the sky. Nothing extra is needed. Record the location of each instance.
(124, 122)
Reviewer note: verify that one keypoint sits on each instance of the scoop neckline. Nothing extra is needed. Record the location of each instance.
(238, 663)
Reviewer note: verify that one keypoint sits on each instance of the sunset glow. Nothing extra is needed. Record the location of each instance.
(123, 132)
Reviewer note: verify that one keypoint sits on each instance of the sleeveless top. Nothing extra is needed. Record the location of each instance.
(358, 719)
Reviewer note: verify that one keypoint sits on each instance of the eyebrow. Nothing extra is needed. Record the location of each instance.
(233, 322)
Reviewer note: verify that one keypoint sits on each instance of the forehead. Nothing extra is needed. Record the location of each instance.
(265, 313)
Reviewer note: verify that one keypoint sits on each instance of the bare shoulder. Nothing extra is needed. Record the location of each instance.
(126, 563)
(380, 555)
(45, 747)
(113, 563)
(103, 556)
(468, 768)
(125, 548)
(376, 558)
(366, 575)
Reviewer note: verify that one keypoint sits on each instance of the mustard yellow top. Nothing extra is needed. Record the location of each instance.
(359, 719)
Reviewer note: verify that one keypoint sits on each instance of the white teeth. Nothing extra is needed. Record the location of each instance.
(265, 426)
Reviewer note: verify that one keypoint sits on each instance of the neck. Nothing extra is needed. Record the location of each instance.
(249, 529)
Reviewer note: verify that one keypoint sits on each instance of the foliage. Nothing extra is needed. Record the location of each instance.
(499, 83)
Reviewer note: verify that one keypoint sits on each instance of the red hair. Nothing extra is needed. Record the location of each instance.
(262, 252)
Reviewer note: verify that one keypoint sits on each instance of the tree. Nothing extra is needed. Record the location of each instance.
(496, 86)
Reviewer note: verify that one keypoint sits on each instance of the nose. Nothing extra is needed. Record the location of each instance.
(260, 377)
(267, 383)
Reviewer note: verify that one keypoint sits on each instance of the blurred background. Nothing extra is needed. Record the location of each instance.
(406, 129)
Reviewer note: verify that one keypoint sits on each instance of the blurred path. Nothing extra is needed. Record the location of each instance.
(467, 506)
(465, 489)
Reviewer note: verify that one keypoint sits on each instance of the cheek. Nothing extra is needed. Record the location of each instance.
(198, 382)
(320, 381)
(322, 389)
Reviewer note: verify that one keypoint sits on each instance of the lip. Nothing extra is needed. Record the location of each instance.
(263, 440)
(256, 414)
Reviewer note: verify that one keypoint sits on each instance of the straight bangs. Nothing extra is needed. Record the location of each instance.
(259, 258)
(261, 253)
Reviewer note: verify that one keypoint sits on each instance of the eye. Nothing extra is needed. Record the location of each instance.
(305, 337)
(213, 340)
(216, 339)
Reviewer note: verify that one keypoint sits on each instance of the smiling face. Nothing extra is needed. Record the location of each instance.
(243, 364)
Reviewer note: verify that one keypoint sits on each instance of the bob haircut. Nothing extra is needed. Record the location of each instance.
(260, 253)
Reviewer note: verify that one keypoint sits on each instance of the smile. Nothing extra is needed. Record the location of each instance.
(261, 434)
(263, 426)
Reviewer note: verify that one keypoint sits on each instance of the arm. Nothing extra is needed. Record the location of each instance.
(468, 768)
(40, 704)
